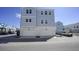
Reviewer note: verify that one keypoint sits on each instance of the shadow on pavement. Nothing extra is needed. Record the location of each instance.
(18, 39)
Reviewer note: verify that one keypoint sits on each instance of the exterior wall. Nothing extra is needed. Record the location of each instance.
(49, 18)
(35, 28)
(27, 28)
(28, 16)
(45, 29)
(38, 31)
(74, 28)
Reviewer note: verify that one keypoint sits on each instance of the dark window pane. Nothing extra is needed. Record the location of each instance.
(30, 11)
(41, 12)
(74, 26)
(27, 11)
(77, 26)
(41, 21)
(26, 20)
(29, 20)
(49, 13)
(45, 21)
(45, 12)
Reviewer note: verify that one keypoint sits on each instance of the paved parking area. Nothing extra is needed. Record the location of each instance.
(2, 36)
(53, 44)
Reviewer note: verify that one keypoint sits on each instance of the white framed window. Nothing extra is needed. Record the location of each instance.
(49, 12)
(45, 12)
(41, 12)
(41, 21)
(26, 20)
(28, 11)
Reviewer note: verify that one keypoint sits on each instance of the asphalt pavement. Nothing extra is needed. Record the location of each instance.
(52, 44)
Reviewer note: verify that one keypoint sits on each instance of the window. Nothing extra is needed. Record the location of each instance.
(45, 12)
(29, 20)
(74, 26)
(41, 12)
(27, 11)
(45, 21)
(26, 20)
(63, 29)
(77, 26)
(41, 21)
(30, 11)
(49, 13)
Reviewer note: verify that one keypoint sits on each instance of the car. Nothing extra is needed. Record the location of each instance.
(67, 34)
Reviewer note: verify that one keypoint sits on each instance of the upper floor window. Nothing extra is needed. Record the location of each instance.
(45, 12)
(49, 13)
(77, 26)
(27, 11)
(74, 26)
(41, 12)
(30, 11)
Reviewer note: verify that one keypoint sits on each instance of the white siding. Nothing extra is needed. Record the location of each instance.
(35, 28)
(49, 18)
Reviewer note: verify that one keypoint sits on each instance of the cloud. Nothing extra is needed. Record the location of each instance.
(18, 15)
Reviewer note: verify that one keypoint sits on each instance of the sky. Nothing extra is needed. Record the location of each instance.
(67, 15)
(12, 15)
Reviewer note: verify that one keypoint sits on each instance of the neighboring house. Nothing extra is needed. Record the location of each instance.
(59, 27)
(73, 28)
(37, 22)
(6, 30)
(2, 29)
